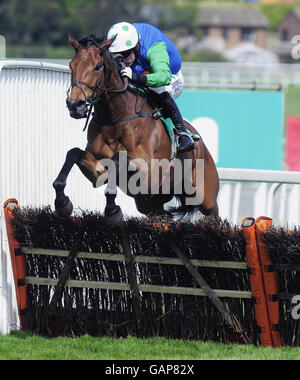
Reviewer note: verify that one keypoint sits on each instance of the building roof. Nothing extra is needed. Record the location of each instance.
(232, 17)
(296, 12)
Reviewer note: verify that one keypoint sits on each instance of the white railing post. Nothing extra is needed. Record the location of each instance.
(236, 202)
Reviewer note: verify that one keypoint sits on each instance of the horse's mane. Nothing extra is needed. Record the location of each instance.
(91, 39)
(94, 39)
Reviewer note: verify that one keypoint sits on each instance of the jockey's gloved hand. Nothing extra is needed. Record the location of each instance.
(133, 77)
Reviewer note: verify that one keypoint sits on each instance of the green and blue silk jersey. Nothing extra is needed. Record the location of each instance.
(157, 55)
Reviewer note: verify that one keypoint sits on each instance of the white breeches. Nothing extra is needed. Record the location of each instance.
(175, 88)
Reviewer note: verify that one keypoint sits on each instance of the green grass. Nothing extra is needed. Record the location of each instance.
(25, 346)
(292, 106)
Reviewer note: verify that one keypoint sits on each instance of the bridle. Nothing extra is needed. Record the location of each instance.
(90, 102)
(94, 98)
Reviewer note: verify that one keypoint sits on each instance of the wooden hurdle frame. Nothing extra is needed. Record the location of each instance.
(138, 259)
(267, 311)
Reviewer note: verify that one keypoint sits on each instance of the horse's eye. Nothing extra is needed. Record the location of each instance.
(98, 67)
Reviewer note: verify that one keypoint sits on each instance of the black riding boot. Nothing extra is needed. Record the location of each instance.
(171, 110)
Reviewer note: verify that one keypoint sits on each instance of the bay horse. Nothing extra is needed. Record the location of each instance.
(124, 122)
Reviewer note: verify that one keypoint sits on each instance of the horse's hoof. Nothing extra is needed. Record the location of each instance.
(66, 210)
(115, 219)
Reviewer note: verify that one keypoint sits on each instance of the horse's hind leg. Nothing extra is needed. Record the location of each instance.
(213, 211)
(153, 206)
(208, 185)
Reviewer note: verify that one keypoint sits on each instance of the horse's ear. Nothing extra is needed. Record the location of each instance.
(74, 43)
(106, 44)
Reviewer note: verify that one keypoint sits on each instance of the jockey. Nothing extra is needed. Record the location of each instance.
(152, 60)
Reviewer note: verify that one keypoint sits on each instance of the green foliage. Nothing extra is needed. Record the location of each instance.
(275, 13)
(186, 15)
(44, 22)
(40, 51)
(50, 22)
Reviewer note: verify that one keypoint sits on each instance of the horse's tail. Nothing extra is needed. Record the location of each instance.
(181, 209)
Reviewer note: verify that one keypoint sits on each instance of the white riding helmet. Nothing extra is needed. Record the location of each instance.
(126, 37)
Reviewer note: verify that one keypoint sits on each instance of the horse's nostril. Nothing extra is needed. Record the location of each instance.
(79, 103)
(77, 109)
(74, 105)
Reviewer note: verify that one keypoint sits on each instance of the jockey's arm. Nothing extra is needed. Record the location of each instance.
(159, 61)
(158, 58)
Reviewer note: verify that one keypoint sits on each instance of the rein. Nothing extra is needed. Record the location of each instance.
(138, 113)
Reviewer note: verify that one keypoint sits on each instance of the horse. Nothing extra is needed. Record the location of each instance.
(126, 122)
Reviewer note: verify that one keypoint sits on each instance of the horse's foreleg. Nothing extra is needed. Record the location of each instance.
(63, 205)
(100, 172)
(96, 172)
(88, 166)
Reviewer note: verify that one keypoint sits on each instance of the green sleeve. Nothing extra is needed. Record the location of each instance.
(159, 60)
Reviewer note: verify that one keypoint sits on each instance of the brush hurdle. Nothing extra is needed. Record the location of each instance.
(127, 280)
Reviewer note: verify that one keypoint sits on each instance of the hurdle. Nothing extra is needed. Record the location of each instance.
(118, 301)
